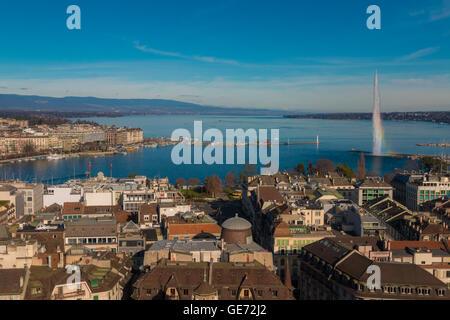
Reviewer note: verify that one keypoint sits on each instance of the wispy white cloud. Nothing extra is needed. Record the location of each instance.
(442, 12)
(420, 53)
(144, 48)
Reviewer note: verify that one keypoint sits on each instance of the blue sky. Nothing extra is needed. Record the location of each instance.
(298, 55)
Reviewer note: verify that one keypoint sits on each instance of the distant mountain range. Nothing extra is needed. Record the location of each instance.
(12, 102)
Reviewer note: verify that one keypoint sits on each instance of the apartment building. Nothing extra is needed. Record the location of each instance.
(33, 196)
(424, 188)
(371, 188)
(332, 272)
(17, 253)
(97, 234)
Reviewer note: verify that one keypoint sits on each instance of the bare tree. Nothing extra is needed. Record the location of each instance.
(230, 179)
(193, 181)
(213, 185)
(324, 166)
(180, 182)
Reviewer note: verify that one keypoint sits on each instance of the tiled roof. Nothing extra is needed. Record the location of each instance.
(10, 281)
(226, 278)
(417, 244)
(194, 229)
(72, 208)
(270, 194)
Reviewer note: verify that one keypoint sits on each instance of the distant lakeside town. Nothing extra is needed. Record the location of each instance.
(442, 117)
(32, 139)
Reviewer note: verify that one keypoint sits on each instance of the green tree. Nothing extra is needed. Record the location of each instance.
(345, 170)
(300, 168)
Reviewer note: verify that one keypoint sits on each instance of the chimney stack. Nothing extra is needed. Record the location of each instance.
(210, 271)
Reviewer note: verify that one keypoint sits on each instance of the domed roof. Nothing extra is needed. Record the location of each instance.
(236, 223)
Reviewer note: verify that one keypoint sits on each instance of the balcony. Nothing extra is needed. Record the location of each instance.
(69, 295)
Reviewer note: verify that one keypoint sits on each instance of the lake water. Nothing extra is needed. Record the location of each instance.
(337, 138)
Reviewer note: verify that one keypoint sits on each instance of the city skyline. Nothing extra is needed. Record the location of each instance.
(293, 56)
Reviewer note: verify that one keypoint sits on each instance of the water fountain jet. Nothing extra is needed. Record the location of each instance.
(378, 132)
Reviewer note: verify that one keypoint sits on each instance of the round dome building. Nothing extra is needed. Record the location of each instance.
(237, 230)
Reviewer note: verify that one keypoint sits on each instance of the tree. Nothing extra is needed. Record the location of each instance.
(324, 166)
(345, 170)
(213, 185)
(230, 179)
(411, 165)
(180, 182)
(310, 168)
(193, 181)
(388, 177)
(28, 148)
(361, 172)
(429, 164)
(132, 175)
(300, 168)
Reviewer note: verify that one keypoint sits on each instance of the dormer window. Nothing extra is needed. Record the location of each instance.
(441, 292)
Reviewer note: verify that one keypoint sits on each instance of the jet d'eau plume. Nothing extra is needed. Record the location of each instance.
(378, 132)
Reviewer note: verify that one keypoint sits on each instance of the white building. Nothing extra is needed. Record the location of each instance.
(60, 195)
(104, 198)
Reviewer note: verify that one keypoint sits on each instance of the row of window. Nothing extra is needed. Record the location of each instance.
(73, 241)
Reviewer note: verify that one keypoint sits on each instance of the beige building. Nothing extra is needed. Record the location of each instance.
(17, 144)
(17, 254)
(97, 234)
(33, 196)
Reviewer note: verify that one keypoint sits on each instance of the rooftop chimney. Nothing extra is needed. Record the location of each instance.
(210, 271)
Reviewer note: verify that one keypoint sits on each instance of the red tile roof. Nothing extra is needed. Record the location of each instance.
(417, 244)
(194, 229)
